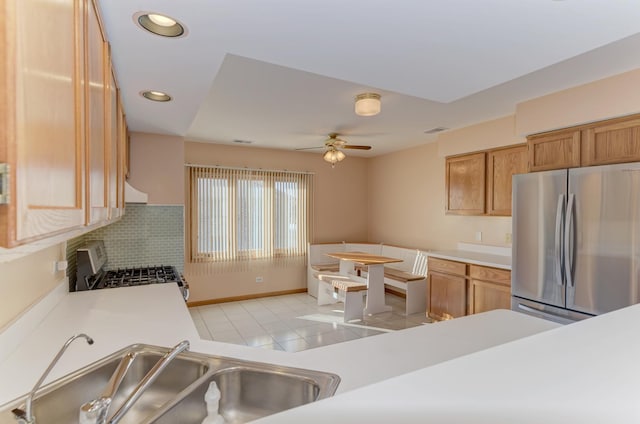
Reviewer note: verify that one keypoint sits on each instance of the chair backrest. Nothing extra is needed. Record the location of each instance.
(420, 264)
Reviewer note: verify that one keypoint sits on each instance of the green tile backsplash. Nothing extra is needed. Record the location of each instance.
(145, 235)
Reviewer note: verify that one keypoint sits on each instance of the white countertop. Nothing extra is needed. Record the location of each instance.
(157, 315)
(476, 258)
(585, 372)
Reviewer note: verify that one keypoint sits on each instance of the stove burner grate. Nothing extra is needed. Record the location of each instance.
(140, 276)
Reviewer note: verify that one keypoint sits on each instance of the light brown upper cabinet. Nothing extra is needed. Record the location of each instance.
(555, 150)
(599, 143)
(98, 71)
(55, 158)
(502, 164)
(465, 184)
(612, 141)
(113, 138)
(480, 183)
(41, 119)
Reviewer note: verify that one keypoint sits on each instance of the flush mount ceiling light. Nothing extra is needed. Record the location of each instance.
(156, 96)
(367, 104)
(159, 24)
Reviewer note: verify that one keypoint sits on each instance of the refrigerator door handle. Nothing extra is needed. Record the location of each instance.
(559, 265)
(569, 245)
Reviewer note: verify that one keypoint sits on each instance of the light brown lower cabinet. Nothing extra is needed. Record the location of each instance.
(487, 296)
(456, 289)
(447, 289)
(489, 288)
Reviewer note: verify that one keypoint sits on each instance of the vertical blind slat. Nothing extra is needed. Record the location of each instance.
(247, 214)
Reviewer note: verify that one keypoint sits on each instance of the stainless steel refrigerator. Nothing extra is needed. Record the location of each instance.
(576, 241)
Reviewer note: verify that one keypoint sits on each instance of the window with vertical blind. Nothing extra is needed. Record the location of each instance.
(239, 213)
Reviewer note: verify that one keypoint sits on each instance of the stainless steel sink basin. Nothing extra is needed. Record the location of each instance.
(249, 389)
(59, 402)
(250, 392)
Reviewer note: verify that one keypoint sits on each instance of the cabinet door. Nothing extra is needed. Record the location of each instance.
(502, 164)
(41, 133)
(486, 296)
(447, 296)
(122, 154)
(613, 141)
(114, 150)
(97, 104)
(465, 184)
(490, 289)
(555, 150)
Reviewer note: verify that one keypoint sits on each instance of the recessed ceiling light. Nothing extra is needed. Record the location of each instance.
(156, 96)
(161, 20)
(159, 24)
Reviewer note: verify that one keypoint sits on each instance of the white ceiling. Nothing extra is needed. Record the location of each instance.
(284, 73)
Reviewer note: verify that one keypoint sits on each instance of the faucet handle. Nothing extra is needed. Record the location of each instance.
(94, 412)
(20, 415)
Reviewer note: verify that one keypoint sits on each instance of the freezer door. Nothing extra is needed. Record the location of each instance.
(603, 238)
(550, 313)
(539, 201)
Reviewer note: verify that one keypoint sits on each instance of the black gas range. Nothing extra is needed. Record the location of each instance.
(91, 274)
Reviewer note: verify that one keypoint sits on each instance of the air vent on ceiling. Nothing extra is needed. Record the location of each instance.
(436, 130)
(242, 141)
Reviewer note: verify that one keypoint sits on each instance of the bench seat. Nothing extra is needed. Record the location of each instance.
(348, 285)
(326, 267)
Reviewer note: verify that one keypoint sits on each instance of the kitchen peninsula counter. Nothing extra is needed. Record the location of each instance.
(157, 315)
(585, 372)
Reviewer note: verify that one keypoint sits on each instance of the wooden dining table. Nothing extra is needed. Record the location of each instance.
(375, 303)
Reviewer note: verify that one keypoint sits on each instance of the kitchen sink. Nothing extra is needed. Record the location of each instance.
(60, 401)
(249, 393)
(249, 390)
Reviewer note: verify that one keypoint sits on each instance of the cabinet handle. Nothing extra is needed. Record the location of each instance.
(4, 184)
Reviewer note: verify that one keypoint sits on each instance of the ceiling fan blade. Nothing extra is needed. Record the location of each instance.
(351, 146)
(311, 148)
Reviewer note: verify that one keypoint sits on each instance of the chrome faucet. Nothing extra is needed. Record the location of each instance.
(148, 379)
(26, 416)
(95, 411)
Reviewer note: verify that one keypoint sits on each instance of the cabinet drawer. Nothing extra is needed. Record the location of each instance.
(446, 266)
(502, 276)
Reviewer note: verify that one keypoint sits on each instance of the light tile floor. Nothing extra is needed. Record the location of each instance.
(294, 322)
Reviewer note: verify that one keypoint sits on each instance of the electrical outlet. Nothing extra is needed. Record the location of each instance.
(259, 280)
(478, 235)
(507, 238)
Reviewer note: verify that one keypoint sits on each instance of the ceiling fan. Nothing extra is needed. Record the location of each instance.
(332, 146)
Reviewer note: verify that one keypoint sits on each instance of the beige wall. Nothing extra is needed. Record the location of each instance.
(407, 192)
(156, 167)
(486, 135)
(602, 99)
(25, 281)
(396, 198)
(340, 203)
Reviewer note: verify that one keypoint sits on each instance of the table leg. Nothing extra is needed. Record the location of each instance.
(346, 267)
(375, 290)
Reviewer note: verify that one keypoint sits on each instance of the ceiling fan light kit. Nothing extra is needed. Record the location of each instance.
(333, 155)
(333, 145)
(368, 104)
